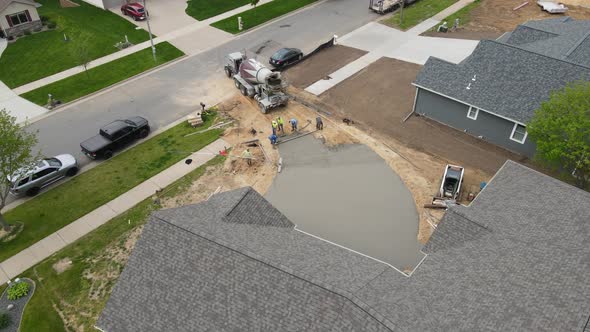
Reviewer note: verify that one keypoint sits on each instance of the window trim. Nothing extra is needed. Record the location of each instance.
(476, 112)
(17, 15)
(526, 133)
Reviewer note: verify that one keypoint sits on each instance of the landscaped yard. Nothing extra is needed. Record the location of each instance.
(103, 76)
(260, 14)
(65, 203)
(42, 54)
(203, 9)
(80, 292)
(418, 12)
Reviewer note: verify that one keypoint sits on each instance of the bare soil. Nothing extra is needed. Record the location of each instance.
(321, 65)
(62, 265)
(377, 99)
(464, 34)
(235, 172)
(498, 15)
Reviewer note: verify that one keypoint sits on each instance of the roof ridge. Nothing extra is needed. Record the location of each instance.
(330, 288)
(537, 29)
(246, 192)
(577, 44)
(535, 53)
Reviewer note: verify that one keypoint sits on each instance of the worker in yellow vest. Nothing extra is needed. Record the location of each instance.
(281, 123)
(274, 127)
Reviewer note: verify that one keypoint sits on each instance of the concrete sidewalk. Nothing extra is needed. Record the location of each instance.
(380, 40)
(34, 254)
(191, 39)
(17, 106)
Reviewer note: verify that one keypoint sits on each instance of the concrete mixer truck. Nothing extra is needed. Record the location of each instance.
(255, 80)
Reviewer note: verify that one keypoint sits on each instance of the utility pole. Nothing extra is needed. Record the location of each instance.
(147, 20)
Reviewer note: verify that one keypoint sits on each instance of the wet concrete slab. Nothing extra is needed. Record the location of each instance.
(348, 195)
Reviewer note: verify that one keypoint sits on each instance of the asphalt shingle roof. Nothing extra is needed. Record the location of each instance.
(516, 259)
(512, 76)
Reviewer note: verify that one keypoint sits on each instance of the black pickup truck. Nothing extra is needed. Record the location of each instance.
(114, 136)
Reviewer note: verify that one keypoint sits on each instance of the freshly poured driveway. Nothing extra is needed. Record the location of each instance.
(171, 93)
(349, 196)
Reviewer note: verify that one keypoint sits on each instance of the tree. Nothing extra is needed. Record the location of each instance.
(254, 3)
(16, 146)
(81, 49)
(561, 130)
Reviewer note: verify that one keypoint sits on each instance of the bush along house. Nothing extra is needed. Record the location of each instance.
(494, 92)
(18, 16)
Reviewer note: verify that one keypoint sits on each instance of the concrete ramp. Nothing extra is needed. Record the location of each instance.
(17, 106)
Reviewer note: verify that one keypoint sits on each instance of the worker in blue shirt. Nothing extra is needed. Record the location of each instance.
(293, 123)
(273, 139)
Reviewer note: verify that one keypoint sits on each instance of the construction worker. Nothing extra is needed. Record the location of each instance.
(293, 123)
(281, 124)
(319, 124)
(274, 127)
(248, 156)
(273, 139)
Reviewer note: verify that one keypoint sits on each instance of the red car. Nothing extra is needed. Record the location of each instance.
(135, 10)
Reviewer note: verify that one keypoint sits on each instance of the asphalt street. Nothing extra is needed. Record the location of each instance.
(166, 95)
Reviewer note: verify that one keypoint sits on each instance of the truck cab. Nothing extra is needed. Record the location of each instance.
(233, 62)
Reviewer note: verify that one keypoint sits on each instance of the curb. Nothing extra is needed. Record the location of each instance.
(65, 106)
(262, 25)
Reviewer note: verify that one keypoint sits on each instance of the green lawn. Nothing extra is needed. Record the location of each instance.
(204, 9)
(43, 54)
(82, 299)
(63, 204)
(263, 13)
(418, 12)
(464, 15)
(100, 77)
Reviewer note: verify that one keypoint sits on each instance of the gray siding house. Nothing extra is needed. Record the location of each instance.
(516, 259)
(494, 92)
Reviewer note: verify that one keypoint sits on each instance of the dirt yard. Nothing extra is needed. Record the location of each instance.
(321, 64)
(498, 16)
(234, 172)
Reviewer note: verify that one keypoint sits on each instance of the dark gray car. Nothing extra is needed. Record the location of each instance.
(46, 172)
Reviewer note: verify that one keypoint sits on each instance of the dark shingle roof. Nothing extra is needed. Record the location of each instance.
(516, 73)
(509, 81)
(516, 259)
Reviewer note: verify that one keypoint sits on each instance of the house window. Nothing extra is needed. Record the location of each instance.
(472, 113)
(519, 133)
(18, 18)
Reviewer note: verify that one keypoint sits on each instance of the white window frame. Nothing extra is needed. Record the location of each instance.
(476, 112)
(526, 133)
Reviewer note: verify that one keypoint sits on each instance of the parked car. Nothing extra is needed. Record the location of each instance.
(114, 136)
(135, 10)
(285, 56)
(46, 172)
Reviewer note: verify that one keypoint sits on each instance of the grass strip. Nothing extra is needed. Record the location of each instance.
(418, 12)
(81, 292)
(464, 15)
(204, 9)
(85, 83)
(71, 200)
(46, 53)
(261, 14)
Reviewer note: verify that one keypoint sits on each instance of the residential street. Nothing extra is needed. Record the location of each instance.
(173, 92)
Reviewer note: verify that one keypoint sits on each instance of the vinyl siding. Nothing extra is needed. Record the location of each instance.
(494, 129)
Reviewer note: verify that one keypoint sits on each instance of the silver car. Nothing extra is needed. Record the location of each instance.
(46, 172)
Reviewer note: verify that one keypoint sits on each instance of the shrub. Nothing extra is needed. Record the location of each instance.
(44, 18)
(4, 320)
(27, 32)
(10, 37)
(18, 290)
(37, 29)
(51, 25)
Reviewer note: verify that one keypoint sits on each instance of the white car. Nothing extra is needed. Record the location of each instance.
(46, 172)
